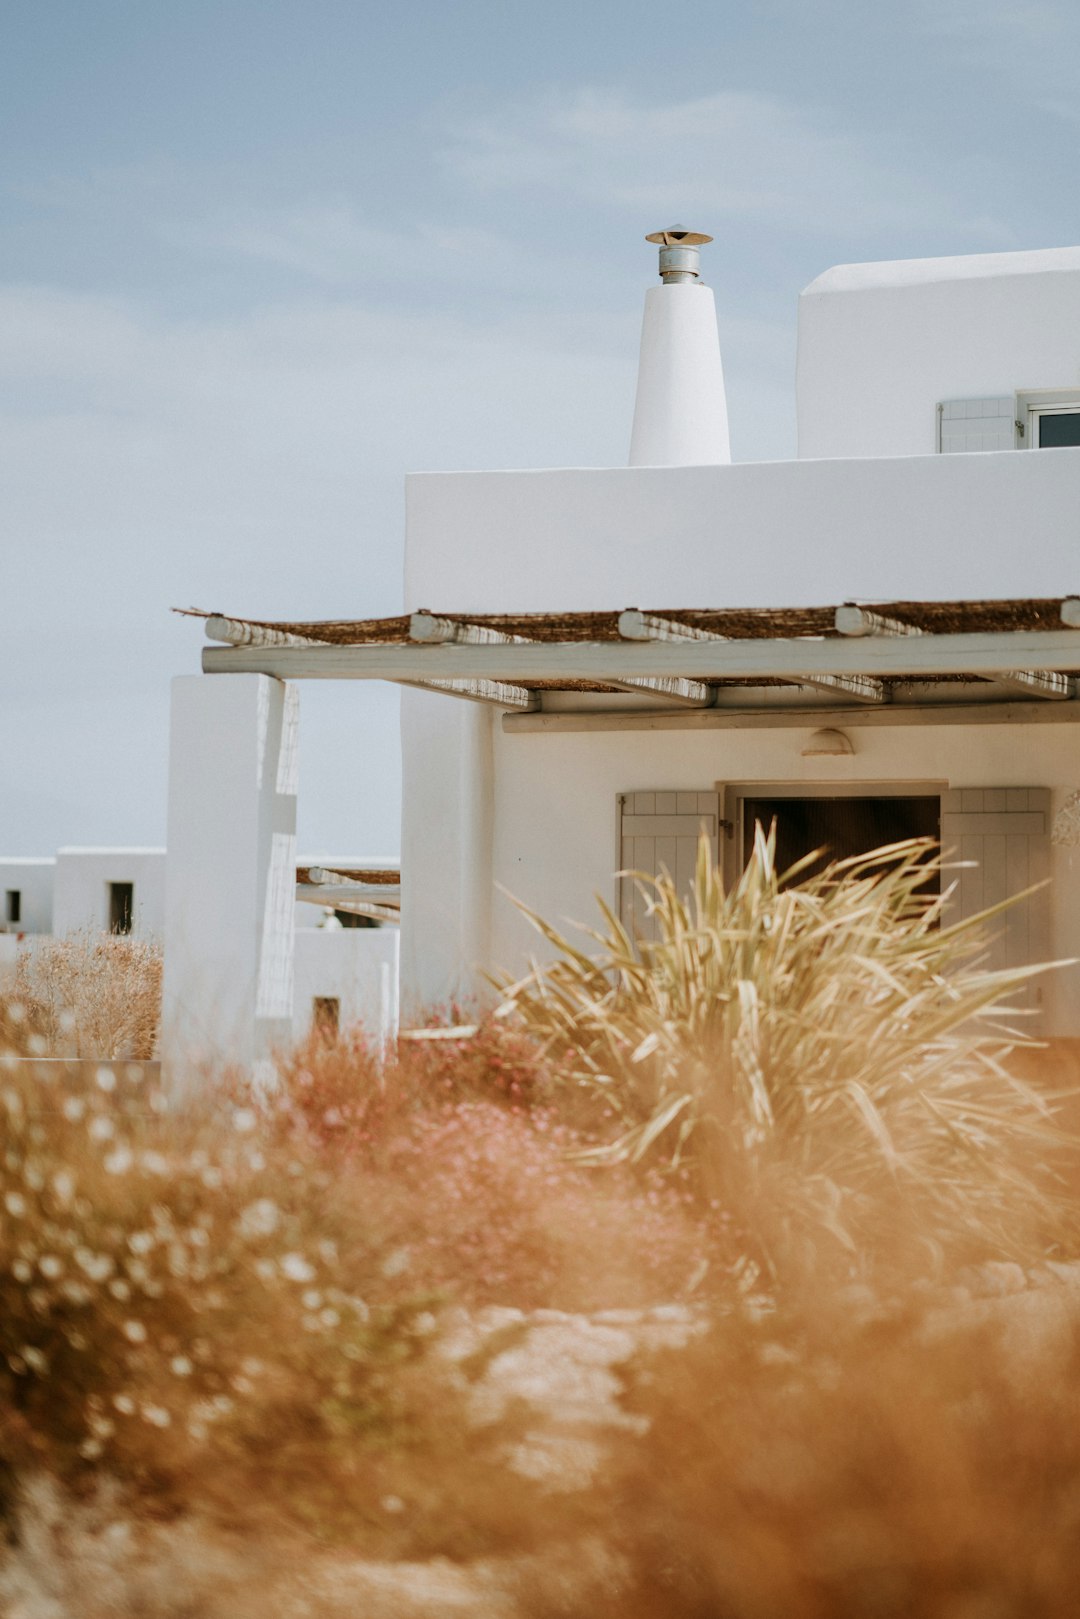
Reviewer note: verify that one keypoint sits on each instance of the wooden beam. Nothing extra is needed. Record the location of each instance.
(430, 629)
(634, 625)
(861, 621)
(791, 719)
(1032, 682)
(915, 657)
(238, 632)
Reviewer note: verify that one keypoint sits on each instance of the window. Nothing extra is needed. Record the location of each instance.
(13, 905)
(326, 1017)
(121, 907)
(1048, 421)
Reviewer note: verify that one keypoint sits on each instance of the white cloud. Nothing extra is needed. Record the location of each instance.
(733, 153)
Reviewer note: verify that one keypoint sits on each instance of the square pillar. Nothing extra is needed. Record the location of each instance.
(231, 873)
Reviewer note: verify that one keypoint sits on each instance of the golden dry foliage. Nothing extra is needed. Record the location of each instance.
(94, 995)
(819, 1468)
(210, 1318)
(829, 1053)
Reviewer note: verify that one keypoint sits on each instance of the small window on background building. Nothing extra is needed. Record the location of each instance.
(326, 1016)
(121, 907)
(13, 905)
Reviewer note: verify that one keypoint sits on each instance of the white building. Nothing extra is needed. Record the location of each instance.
(344, 974)
(875, 638)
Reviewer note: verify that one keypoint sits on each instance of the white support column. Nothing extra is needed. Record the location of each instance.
(446, 852)
(231, 873)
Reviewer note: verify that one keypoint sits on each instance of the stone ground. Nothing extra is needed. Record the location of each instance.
(563, 1370)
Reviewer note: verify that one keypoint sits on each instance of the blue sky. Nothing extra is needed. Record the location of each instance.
(259, 260)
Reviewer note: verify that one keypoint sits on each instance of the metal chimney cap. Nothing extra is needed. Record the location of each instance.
(678, 236)
(679, 253)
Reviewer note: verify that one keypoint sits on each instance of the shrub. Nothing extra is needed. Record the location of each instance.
(809, 1467)
(90, 994)
(829, 1054)
(482, 1190)
(195, 1313)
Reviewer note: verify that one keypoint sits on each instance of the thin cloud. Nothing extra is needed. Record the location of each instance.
(731, 154)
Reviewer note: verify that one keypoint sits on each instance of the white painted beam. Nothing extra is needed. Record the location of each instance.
(430, 630)
(1032, 682)
(789, 718)
(238, 632)
(796, 659)
(1070, 612)
(634, 625)
(861, 621)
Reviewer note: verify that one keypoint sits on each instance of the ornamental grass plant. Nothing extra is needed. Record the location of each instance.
(87, 994)
(827, 1051)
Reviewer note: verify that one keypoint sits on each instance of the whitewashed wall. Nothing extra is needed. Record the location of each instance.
(356, 966)
(33, 879)
(788, 533)
(81, 898)
(781, 533)
(881, 344)
(555, 810)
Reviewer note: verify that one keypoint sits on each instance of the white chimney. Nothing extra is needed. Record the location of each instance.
(680, 414)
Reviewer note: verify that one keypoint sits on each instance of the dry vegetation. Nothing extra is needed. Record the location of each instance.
(264, 1359)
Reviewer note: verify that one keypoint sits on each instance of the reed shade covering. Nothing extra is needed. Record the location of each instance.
(942, 618)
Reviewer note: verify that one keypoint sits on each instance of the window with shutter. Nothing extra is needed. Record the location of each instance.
(977, 424)
(658, 832)
(1002, 835)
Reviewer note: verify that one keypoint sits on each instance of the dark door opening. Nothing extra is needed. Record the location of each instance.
(121, 907)
(326, 1017)
(841, 827)
(13, 905)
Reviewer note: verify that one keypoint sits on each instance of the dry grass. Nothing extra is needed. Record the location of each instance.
(93, 995)
(829, 1054)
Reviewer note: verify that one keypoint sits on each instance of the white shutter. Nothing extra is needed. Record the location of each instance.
(658, 832)
(1004, 832)
(977, 424)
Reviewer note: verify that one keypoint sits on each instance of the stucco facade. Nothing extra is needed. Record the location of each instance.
(869, 512)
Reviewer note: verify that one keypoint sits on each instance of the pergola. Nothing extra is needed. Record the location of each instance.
(232, 875)
(701, 663)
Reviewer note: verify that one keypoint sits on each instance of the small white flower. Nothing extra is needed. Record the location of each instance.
(124, 1404)
(101, 1128)
(73, 1109)
(244, 1119)
(329, 1318)
(134, 1332)
(392, 1503)
(105, 1079)
(34, 1359)
(64, 1186)
(15, 1204)
(99, 1267)
(180, 1366)
(211, 1178)
(396, 1262)
(119, 1161)
(156, 1415)
(91, 1449)
(141, 1242)
(296, 1268)
(52, 1267)
(311, 1299)
(154, 1163)
(21, 1271)
(260, 1219)
(119, 1288)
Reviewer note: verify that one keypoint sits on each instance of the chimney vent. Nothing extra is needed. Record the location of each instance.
(679, 253)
